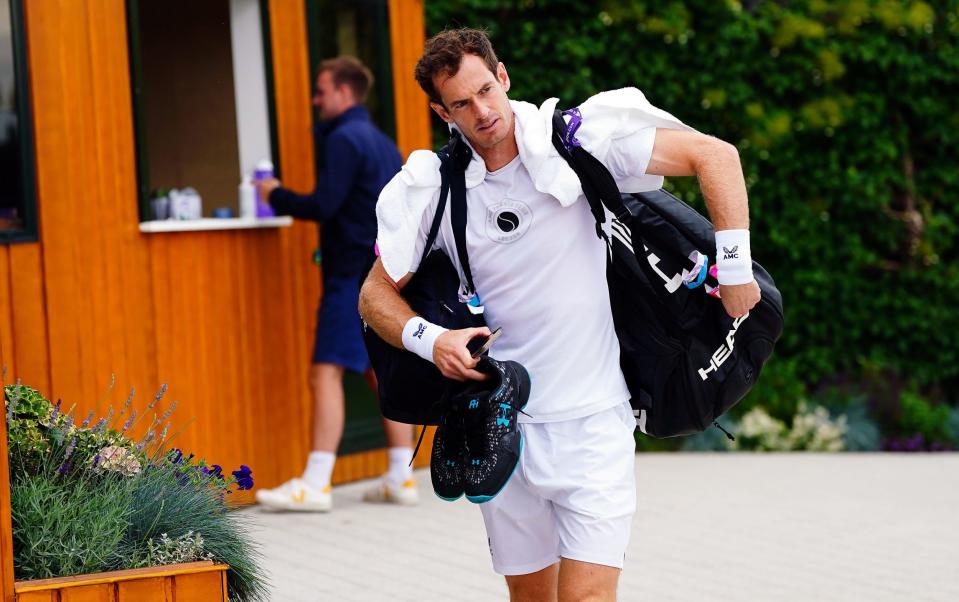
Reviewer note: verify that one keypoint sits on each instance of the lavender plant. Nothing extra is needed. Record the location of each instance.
(87, 497)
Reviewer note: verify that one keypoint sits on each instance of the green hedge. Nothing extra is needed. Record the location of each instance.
(845, 115)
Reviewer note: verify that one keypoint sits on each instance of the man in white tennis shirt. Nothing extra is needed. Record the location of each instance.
(560, 527)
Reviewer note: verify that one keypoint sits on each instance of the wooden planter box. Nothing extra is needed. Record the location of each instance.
(190, 582)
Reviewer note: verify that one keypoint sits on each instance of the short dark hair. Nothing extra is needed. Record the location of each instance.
(444, 52)
(351, 71)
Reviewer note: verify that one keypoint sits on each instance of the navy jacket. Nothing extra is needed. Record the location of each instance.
(354, 162)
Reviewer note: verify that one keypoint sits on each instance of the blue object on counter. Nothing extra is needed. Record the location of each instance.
(223, 212)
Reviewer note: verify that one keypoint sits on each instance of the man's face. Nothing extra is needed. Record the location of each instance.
(475, 100)
(330, 100)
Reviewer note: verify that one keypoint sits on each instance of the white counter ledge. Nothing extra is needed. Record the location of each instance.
(210, 223)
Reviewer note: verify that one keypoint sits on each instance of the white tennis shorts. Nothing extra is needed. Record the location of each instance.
(573, 495)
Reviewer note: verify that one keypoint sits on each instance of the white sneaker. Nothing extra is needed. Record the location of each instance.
(404, 495)
(296, 495)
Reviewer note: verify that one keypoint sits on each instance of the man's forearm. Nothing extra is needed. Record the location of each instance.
(382, 306)
(715, 163)
(724, 188)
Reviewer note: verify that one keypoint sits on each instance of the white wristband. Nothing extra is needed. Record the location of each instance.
(734, 264)
(420, 335)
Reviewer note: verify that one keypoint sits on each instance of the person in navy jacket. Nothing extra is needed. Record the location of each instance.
(354, 161)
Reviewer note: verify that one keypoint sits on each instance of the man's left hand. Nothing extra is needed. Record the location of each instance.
(265, 187)
(738, 299)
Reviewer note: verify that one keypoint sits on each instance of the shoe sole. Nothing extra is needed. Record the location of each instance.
(284, 506)
(294, 508)
(525, 384)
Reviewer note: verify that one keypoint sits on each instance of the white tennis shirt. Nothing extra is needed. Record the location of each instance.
(540, 271)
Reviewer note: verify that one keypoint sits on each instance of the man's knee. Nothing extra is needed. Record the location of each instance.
(587, 582)
(322, 375)
(534, 587)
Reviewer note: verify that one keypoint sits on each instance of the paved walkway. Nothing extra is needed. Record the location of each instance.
(725, 527)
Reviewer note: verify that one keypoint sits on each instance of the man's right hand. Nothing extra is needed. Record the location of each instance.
(453, 359)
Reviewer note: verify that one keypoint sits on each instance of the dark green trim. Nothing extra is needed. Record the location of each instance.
(361, 435)
(315, 50)
(364, 425)
(139, 128)
(380, 63)
(384, 52)
(270, 90)
(28, 174)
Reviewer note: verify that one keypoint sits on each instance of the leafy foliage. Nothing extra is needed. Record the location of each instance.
(845, 119)
(86, 498)
(66, 527)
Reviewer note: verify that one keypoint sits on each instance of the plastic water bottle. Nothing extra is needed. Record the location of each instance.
(263, 171)
(247, 198)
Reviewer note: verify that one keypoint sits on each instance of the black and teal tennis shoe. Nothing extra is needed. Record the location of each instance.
(493, 441)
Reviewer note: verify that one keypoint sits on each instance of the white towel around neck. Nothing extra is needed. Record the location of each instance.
(606, 117)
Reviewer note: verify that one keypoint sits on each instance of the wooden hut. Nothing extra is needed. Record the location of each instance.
(116, 99)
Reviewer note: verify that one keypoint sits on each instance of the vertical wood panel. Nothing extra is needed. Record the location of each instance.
(95, 266)
(38, 597)
(407, 36)
(202, 587)
(58, 64)
(104, 592)
(129, 297)
(294, 302)
(158, 589)
(6, 527)
(29, 317)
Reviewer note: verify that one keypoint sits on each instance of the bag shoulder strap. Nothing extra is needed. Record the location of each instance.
(598, 184)
(460, 157)
(440, 207)
(601, 190)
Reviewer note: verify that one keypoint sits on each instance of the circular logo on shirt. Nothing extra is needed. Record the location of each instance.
(508, 220)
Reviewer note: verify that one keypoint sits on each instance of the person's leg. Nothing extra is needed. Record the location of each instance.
(594, 501)
(311, 491)
(326, 382)
(586, 582)
(329, 411)
(540, 586)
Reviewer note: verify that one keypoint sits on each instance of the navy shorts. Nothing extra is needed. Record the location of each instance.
(339, 331)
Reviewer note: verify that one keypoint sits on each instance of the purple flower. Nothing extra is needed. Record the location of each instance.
(129, 421)
(145, 441)
(244, 477)
(175, 456)
(214, 471)
(157, 397)
(168, 412)
(70, 447)
(86, 422)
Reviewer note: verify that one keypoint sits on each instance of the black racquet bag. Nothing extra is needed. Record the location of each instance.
(685, 360)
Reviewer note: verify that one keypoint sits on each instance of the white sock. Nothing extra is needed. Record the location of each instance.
(319, 467)
(400, 470)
